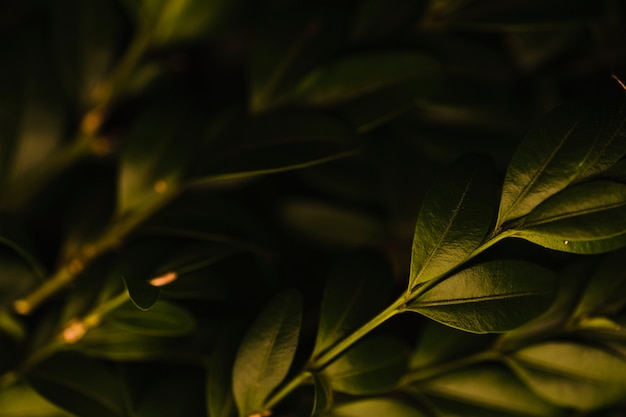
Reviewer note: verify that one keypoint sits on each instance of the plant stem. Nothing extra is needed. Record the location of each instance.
(298, 380)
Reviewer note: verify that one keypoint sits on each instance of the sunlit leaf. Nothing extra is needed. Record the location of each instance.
(358, 287)
(572, 374)
(265, 355)
(455, 217)
(495, 296)
(372, 366)
(376, 407)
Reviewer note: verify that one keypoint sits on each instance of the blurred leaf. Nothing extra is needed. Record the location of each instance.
(572, 143)
(483, 391)
(358, 288)
(219, 383)
(572, 374)
(584, 218)
(491, 297)
(277, 142)
(78, 384)
(372, 366)
(21, 401)
(11, 326)
(16, 276)
(323, 400)
(163, 319)
(265, 355)
(376, 407)
(359, 75)
(454, 219)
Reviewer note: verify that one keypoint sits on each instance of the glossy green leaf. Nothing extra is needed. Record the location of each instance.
(83, 386)
(495, 296)
(455, 217)
(574, 142)
(323, 396)
(358, 75)
(485, 390)
(163, 319)
(585, 218)
(376, 407)
(572, 374)
(21, 401)
(266, 353)
(373, 366)
(358, 288)
(277, 142)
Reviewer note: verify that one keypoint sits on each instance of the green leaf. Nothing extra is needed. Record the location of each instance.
(454, 219)
(16, 276)
(376, 407)
(495, 296)
(584, 218)
(21, 401)
(276, 142)
(373, 366)
(266, 353)
(574, 142)
(359, 75)
(572, 374)
(483, 391)
(163, 319)
(323, 391)
(78, 384)
(358, 288)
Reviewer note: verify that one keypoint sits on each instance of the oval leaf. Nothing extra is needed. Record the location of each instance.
(572, 374)
(454, 218)
(163, 319)
(495, 296)
(266, 353)
(585, 218)
(574, 142)
(357, 289)
(23, 401)
(372, 366)
(376, 407)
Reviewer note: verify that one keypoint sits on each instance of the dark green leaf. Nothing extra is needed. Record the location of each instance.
(358, 288)
(572, 374)
(265, 355)
(376, 407)
(585, 218)
(484, 391)
(574, 142)
(163, 319)
(323, 400)
(454, 219)
(78, 384)
(372, 366)
(495, 296)
(22, 401)
(16, 276)
(142, 294)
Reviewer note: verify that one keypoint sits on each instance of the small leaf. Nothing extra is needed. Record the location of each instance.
(572, 374)
(78, 384)
(266, 353)
(495, 296)
(376, 407)
(585, 218)
(323, 400)
(484, 391)
(454, 219)
(358, 288)
(574, 142)
(372, 366)
(21, 401)
(163, 319)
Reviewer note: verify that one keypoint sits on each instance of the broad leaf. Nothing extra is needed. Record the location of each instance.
(265, 355)
(359, 75)
(358, 288)
(455, 216)
(572, 374)
(495, 296)
(22, 401)
(83, 386)
(323, 400)
(163, 319)
(484, 391)
(585, 218)
(372, 366)
(574, 142)
(376, 407)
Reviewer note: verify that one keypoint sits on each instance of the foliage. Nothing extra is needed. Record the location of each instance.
(442, 232)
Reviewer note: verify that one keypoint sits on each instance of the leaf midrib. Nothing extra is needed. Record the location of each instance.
(469, 300)
(565, 216)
